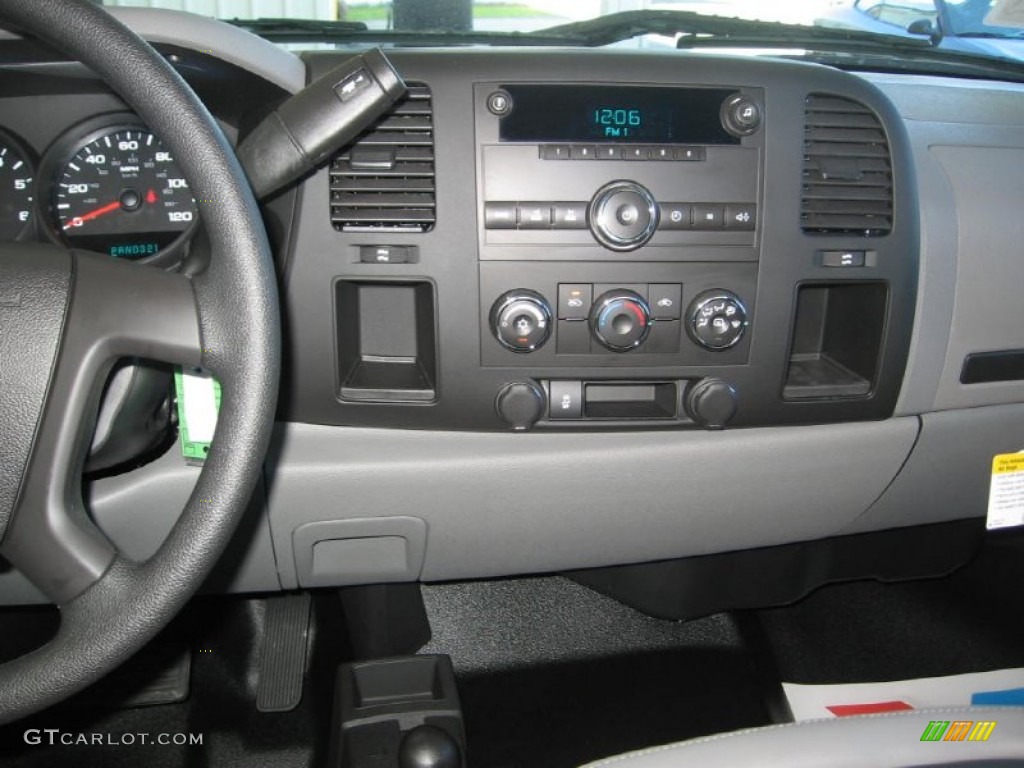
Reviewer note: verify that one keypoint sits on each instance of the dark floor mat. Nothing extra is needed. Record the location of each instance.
(971, 621)
(224, 635)
(568, 714)
(553, 675)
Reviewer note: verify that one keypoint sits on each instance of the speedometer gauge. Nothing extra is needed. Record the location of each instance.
(122, 194)
(15, 189)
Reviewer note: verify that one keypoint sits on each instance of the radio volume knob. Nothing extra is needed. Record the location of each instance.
(623, 216)
(521, 320)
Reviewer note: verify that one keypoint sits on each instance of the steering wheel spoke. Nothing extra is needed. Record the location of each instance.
(114, 310)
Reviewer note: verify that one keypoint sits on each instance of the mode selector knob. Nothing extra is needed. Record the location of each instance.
(620, 319)
(623, 215)
(521, 320)
(717, 320)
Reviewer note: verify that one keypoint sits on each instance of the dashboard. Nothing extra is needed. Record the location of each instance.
(573, 309)
(692, 270)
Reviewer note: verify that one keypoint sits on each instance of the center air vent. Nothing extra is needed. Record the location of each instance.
(384, 180)
(847, 173)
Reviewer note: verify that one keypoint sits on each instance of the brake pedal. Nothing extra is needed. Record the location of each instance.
(283, 656)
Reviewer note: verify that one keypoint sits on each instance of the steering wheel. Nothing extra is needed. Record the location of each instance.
(66, 317)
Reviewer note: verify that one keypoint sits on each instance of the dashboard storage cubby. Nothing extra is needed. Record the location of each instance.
(837, 340)
(386, 340)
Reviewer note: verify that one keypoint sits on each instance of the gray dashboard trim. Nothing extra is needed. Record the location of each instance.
(966, 138)
(225, 41)
(948, 474)
(500, 504)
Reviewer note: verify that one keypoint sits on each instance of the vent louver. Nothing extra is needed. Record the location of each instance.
(384, 180)
(847, 173)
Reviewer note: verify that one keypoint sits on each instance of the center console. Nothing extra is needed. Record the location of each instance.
(735, 245)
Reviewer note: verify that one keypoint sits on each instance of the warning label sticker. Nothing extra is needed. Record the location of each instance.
(1006, 492)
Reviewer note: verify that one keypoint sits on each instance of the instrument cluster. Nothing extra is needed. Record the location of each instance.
(106, 185)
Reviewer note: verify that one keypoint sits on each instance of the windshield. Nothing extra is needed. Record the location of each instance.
(979, 27)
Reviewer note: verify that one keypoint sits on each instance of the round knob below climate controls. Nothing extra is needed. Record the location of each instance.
(620, 319)
(520, 404)
(521, 320)
(623, 215)
(711, 403)
(717, 320)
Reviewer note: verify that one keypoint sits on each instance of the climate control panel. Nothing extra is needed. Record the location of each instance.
(641, 324)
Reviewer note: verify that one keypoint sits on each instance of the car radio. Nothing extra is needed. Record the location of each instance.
(619, 224)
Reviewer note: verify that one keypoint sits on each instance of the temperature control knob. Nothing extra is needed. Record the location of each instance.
(521, 320)
(620, 320)
(623, 215)
(717, 320)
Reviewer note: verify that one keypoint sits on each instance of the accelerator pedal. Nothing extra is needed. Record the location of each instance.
(283, 656)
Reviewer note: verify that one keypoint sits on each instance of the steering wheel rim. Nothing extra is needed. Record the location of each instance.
(225, 319)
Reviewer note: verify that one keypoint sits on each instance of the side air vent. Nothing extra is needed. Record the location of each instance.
(847, 174)
(384, 180)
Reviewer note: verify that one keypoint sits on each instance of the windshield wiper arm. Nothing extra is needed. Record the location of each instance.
(1014, 35)
(696, 29)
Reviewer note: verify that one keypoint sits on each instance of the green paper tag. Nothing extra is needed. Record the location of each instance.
(198, 405)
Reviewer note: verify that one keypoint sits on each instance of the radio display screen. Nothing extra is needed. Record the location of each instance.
(626, 114)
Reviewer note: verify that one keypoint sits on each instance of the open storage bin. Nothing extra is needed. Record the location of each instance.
(387, 342)
(837, 340)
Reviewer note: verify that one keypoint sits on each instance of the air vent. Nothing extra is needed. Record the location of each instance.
(847, 177)
(384, 180)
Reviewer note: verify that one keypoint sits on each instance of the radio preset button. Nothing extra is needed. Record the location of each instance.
(690, 154)
(582, 152)
(637, 153)
(609, 152)
(662, 153)
(554, 152)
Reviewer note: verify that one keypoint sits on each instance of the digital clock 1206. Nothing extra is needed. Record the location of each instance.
(617, 122)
